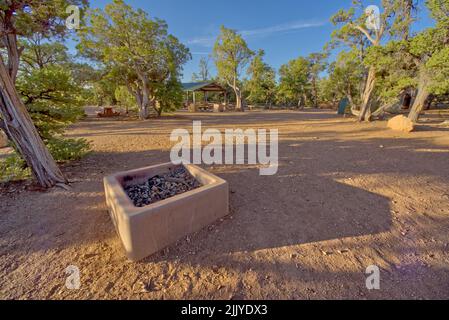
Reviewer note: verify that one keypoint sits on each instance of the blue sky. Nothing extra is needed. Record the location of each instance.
(284, 29)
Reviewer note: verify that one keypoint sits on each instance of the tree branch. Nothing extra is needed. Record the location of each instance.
(365, 32)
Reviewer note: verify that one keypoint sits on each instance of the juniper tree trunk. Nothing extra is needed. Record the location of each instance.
(143, 112)
(20, 129)
(238, 95)
(306, 101)
(145, 99)
(365, 111)
(315, 93)
(238, 101)
(421, 96)
(145, 103)
(137, 92)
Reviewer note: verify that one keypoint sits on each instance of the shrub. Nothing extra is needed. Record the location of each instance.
(68, 149)
(13, 168)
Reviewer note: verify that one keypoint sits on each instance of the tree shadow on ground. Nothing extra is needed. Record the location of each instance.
(312, 199)
(307, 201)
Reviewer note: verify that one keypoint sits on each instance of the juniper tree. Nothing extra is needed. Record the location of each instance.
(137, 49)
(22, 19)
(231, 55)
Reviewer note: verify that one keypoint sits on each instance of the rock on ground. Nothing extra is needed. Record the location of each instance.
(401, 123)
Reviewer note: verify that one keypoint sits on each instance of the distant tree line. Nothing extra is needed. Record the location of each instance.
(126, 57)
(374, 70)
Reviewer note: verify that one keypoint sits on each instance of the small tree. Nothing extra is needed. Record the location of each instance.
(231, 54)
(356, 34)
(261, 86)
(204, 73)
(124, 98)
(138, 50)
(327, 92)
(24, 18)
(346, 77)
(169, 96)
(317, 65)
(294, 82)
(420, 63)
(432, 49)
(47, 87)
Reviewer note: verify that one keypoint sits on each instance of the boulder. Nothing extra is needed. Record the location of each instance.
(401, 123)
(3, 140)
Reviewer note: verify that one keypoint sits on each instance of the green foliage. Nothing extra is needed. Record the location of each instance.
(103, 91)
(30, 31)
(37, 54)
(439, 10)
(51, 97)
(396, 68)
(169, 96)
(421, 61)
(395, 19)
(137, 51)
(437, 52)
(53, 89)
(345, 78)
(261, 86)
(68, 149)
(353, 33)
(327, 92)
(294, 81)
(438, 66)
(13, 168)
(317, 64)
(125, 98)
(44, 17)
(231, 55)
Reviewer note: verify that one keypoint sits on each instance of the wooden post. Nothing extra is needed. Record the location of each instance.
(194, 98)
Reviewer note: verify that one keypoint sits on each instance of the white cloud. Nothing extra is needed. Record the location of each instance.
(205, 42)
(261, 32)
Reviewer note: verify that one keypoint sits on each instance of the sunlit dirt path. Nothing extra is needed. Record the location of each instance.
(347, 196)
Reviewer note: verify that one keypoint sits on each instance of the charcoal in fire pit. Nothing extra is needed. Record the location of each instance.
(161, 187)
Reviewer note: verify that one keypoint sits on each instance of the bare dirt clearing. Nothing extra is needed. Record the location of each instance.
(346, 196)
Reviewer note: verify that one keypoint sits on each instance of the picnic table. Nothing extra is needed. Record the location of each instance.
(108, 112)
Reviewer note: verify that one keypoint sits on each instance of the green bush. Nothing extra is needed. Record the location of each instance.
(13, 168)
(125, 99)
(68, 149)
(52, 98)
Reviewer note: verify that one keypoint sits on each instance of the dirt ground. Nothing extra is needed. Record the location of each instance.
(347, 196)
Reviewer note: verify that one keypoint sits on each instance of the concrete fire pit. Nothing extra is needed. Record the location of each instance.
(147, 230)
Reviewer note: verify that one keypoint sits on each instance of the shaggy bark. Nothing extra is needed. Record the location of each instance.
(20, 129)
(421, 96)
(365, 112)
(315, 93)
(238, 95)
(145, 101)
